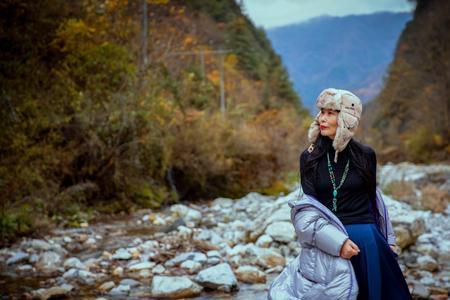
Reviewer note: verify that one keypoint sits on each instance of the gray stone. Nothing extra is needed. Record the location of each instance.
(90, 242)
(122, 254)
(188, 214)
(213, 253)
(24, 268)
(282, 214)
(148, 246)
(428, 281)
(94, 262)
(38, 245)
(220, 277)
(142, 266)
(444, 253)
(17, 257)
(239, 249)
(220, 203)
(174, 287)
(158, 269)
(74, 262)
(250, 274)
(281, 231)
(146, 273)
(265, 257)
(428, 249)
(120, 290)
(195, 256)
(234, 236)
(106, 286)
(83, 276)
(118, 271)
(191, 266)
(130, 282)
(428, 263)
(53, 292)
(213, 261)
(264, 241)
(49, 262)
(34, 258)
(421, 291)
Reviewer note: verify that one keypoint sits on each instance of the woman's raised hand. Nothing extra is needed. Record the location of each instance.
(349, 249)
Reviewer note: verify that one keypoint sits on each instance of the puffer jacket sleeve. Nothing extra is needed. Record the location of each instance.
(391, 237)
(388, 229)
(315, 230)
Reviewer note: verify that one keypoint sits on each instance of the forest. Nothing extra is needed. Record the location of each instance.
(110, 106)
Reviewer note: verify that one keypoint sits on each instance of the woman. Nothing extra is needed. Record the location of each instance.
(341, 215)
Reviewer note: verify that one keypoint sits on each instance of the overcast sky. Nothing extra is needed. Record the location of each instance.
(274, 13)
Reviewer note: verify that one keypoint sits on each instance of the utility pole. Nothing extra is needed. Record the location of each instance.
(202, 54)
(144, 35)
(222, 86)
(202, 64)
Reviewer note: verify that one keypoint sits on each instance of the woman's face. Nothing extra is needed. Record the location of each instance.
(328, 122)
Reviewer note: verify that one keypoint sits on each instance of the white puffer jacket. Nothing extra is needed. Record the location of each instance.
(318, 272)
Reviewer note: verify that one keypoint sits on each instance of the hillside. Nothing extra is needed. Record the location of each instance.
(351, 52)
(108, 109)
(410, 118)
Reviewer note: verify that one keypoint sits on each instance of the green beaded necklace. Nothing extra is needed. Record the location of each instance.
(335, 189)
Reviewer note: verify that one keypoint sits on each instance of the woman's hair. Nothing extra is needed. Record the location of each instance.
(359, 160)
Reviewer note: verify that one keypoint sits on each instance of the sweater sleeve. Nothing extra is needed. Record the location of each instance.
(373, 168)
(307, 183)
(373, 163)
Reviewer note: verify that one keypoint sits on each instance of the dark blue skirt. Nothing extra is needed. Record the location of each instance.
(377, 271)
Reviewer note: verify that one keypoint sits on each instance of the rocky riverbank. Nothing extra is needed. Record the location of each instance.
(225, 249)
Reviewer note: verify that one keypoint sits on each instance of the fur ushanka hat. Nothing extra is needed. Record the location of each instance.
(350, 109)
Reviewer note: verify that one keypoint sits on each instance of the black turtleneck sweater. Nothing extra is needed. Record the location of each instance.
(353, 198)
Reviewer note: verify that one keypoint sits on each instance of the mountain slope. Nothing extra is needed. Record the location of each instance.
(349, 52)
(410, 118)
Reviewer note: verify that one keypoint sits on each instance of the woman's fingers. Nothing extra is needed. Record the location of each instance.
(350, 249)
(351, 252)
(354, 246)
(354, 249)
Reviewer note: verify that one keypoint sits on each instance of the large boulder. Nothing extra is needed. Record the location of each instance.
(265, 257)
(281, 231)
(49, 262)
(174, 287)
(250, 274)
(188, 214)
(220, 277)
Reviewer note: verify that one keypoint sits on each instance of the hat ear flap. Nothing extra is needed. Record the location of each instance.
(343, 134)
(339, 133)
(349, 122)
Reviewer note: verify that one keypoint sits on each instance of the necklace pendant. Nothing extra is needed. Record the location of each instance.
(334, 193)
(334, 204)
